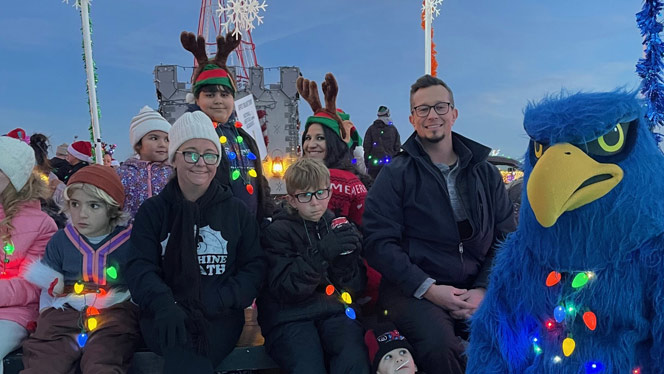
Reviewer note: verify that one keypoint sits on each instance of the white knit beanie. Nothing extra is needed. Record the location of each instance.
(17, 161)
(147, 120)
(192, 125)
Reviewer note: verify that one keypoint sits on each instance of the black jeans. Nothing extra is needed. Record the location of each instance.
(304, 347)
(431, 331)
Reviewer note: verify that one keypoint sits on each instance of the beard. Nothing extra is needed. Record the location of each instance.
(434, 139)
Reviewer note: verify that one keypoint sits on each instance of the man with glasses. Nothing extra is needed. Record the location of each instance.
(432, 220)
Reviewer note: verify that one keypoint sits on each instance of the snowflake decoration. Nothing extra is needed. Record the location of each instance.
(77, 3)
(435, 7)
(241, 14)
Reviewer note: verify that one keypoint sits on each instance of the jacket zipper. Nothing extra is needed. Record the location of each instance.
(461, 252)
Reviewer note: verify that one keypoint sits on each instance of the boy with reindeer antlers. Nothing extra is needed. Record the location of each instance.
(213, 93)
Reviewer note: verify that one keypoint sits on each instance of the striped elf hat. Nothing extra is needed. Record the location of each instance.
(211, 71)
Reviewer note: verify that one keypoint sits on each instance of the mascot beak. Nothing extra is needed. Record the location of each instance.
(566, 178)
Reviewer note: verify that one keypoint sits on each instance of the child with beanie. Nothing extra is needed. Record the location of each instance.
(24, 232)
(86, 316)
(306, 310)
(389, 351)
(145, 174)
(197, 259)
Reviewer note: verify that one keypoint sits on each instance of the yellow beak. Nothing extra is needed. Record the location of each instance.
(565, 178)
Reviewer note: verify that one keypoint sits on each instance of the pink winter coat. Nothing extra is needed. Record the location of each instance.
(19, 300)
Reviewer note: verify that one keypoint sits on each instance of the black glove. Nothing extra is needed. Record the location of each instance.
(170, 325)
(342, 240)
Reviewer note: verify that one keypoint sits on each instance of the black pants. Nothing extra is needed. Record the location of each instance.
(430, 330)
(222, 335)
(302, 347)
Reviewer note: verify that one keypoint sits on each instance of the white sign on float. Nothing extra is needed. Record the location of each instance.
(246, 114)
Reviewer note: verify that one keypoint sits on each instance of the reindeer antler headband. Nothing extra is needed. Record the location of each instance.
(328, 115)
(211, 71)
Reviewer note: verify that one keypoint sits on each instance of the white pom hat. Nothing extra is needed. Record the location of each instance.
(192, 125)
(17, 161)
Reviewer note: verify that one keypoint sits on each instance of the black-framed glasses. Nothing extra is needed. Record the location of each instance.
(440, 109)
(305, 197)
(192, 157)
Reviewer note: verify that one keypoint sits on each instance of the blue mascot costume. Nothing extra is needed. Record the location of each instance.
(579, 287)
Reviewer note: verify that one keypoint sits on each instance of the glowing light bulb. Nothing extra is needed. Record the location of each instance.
(537, 349)
(535, 340)
(559, 314)
(553, 278)
(557, 359)
(370, 157)
(251, 156)
(345, 296)
(223, 139)
(232, 155)
(568, 346)
(91, 311)
(590, 320)
(549, 324)
(101, 292)
(92, 323)
(82, 339)
(385, 312)
(112, 272)
(580, 280)
(250, 189)
(236, 174)
(636, 371)
(594, 367)
(252, 173)
(375, 162)
(329, 290)
(571, 309)
(239, 139)
(350, 313)
(78, 288)
(238, 124)
(8, 248)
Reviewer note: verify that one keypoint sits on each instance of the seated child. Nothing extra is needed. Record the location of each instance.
(389, 352)
(306, 311)
(86, 314)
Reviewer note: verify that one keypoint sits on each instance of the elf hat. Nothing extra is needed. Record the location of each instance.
(211, 71)
(17, 161)
(103, 177)
(380, 341)
(81, 149)
(353, 138)
(145, 121)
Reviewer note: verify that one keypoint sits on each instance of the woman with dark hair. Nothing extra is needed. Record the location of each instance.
(327, 138)
(40, 144)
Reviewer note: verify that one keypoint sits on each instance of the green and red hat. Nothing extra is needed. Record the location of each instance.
(326, 119)
(355, 138)
(213, 75)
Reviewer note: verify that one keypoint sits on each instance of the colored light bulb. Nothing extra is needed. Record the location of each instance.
(375, 162)
(571, 309)
(537, 349)
(353, 161)
(252, 173)
(92, 323)
(636, 371)
(350, 313)
(82, 339)
(553, 278)
(370, 157)
(251, 156)
(101, 292)
(8, 248)
(239, 139)
(223, 139)
(232, 155)
(78, 288)
(238, 124)
(580, 280)
(568, 346)
(594, 367)
(382, 132)
(236, 174)
(590, 319)
(559, 314)
(557, 359)
(549, 324)
(329, 290)
(112, 272)
(91, 311)
(250, 189)
(385, 312)
(345, 296)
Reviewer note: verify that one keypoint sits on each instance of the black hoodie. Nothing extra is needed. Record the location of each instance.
(297, 275)
(230, 257)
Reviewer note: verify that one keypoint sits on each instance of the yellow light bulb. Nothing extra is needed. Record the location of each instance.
(92, 323)
(78, 288)
(346, 298)
(568, 346)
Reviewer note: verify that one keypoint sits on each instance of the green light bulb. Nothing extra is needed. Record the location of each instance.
(8, 248)
(236, 174)
(112, 272)
(580, 280)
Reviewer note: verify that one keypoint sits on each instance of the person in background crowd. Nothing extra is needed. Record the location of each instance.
(59, 162)
(381, 142)
(79, 155)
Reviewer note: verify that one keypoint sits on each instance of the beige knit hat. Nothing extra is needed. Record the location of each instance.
(145, 121)
(17, 161)
(192, 125)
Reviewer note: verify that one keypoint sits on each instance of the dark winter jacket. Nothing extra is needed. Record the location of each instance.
(297, 274)
(230, 258)
(386, 139)
(60, 167)
(266, 205)
(73, 170)
(409, 226)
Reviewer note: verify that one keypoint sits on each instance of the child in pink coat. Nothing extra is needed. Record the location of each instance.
(24, 232)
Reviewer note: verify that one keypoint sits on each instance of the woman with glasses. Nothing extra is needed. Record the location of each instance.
(198, 261)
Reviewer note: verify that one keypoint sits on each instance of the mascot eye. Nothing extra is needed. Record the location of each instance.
(611, 143)
(538, 148)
